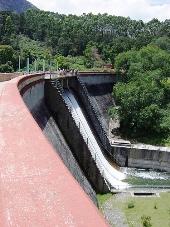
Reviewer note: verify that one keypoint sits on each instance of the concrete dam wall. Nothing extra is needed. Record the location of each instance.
(81, 92)
(99, 89)
(73, 137)
(36, 187)
(34, 97)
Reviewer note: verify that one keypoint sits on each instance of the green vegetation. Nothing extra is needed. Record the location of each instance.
(137, 50)
(143, 95)
(146, 221)
(103, 198)
(80, 42)
(145, 211)
(131, 204)
(6, 58)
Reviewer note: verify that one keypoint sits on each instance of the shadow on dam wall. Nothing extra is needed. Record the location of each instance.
(74, 139)
(101, 98)
(34, 99)
(54, 135)
(100, 88)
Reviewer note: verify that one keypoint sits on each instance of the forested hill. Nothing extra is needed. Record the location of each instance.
(81, 42)
(15, 5)
(140, 51)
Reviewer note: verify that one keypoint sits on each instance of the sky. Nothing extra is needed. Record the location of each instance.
(135, 9)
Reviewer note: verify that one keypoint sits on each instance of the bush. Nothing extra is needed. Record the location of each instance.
(146, 221)
(155, 206)
(131, 205)
(6, 54)
(6, 68)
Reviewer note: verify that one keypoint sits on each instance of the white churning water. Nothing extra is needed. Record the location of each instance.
(145, 174)
(110, 174)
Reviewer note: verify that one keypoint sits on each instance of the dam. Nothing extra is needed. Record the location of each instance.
(55, 150)
(112, 175)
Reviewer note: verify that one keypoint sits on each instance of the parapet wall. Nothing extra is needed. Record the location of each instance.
(146, 156)
(143, 156)
(8, 76)
(96, 78)
(36, 187)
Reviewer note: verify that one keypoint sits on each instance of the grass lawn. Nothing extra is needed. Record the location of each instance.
(158, 208)
(103, 198)
(160, 217)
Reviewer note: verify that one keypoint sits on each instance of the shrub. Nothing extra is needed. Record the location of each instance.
(146, 221)
(155, 206)
(131, 205)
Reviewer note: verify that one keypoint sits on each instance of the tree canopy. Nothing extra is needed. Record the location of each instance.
(98, 38)
(137, 50)
(143, 95)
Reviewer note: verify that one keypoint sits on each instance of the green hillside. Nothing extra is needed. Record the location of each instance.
(15, 5)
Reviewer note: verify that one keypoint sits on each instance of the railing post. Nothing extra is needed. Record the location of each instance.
(28, 65)
(19, 63)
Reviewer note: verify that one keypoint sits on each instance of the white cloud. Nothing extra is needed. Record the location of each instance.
(136, 9)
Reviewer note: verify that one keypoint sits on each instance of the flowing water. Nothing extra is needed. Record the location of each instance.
(146, 177)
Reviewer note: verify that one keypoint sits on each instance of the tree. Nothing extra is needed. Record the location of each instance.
(6, 54)
(139, 106)
(9, 26)
(92, 57)
(99, 37)
(143, 97)
(6, 68)
(163, 43)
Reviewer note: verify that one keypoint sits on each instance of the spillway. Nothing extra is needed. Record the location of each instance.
(112, 176)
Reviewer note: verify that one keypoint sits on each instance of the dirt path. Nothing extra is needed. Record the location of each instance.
(112, 213)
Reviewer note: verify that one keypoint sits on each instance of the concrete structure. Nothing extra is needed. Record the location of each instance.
(99, 88)
(8, 76)
(75, 140)
(111, 174)
(36, 187)
(143, 156)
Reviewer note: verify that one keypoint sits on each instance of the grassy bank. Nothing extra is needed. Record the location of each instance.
(156, 208)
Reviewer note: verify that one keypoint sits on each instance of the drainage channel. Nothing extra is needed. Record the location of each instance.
(145, 194)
